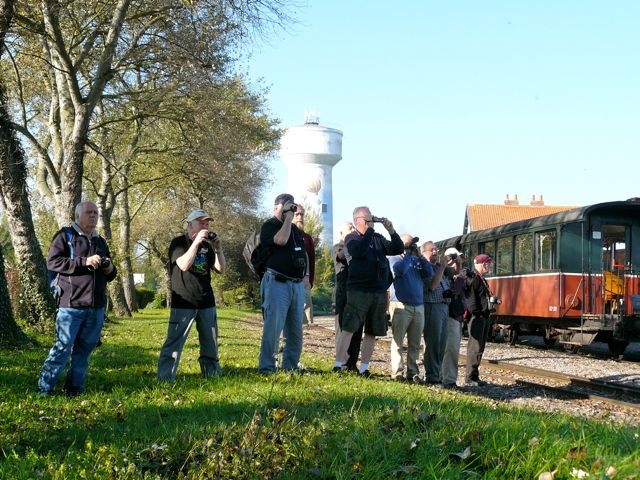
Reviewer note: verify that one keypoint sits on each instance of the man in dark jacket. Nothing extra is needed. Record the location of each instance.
(369, 279)
(478, 304)
(341, 268)
(83, 264)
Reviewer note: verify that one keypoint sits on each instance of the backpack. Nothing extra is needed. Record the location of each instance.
(52, 277)
(256, 255)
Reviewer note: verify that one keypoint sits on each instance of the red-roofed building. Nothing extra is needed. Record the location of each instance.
(480, 217)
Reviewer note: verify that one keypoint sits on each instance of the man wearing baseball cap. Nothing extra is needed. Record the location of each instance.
(192, 256)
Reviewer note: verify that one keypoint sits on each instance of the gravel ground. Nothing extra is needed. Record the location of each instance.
(503, 386)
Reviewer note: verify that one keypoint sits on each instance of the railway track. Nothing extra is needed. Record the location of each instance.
(558, 384)
(568, 385)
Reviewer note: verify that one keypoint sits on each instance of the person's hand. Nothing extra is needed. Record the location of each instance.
(200, 236)
(287, 212)
(386, 223)
(93, 261)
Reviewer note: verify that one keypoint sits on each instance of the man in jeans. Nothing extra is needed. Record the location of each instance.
(282, 287)
(82, 261)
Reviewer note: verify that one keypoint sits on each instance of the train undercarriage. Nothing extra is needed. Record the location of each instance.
(573, 334)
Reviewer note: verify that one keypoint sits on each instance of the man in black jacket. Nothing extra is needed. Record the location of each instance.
(83, 264)
(367, 284)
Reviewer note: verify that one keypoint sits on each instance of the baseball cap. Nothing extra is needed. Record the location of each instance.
(198, 213)
(452, 251)
(482, 258)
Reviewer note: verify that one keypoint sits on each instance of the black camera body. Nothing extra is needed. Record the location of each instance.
(448, 293)
(453, 256)
(212, 236)
(105, 262)
(293, 208)
(377, 219)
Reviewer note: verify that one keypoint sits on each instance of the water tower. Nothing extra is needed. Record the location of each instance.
(310, 151)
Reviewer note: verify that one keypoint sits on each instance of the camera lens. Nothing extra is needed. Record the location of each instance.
(212, 236)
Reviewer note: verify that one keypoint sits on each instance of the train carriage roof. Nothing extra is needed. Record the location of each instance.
(631, 206)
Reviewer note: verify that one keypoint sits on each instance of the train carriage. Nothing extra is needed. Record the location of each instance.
(573, 276)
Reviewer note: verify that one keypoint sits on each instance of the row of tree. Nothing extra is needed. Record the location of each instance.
(138, 106)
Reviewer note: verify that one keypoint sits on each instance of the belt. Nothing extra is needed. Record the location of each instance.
(437, 303)
(280, 277)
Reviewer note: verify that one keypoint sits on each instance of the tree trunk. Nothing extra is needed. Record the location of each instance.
(10, 332)
(125, 251)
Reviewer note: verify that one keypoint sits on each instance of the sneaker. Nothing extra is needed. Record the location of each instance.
(417, 379)
(339, 369)
(399, 378)
(475, 383)
(365, 374)
(450, 386)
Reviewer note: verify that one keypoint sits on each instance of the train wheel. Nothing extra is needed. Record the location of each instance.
(549, 341)
(511, 334)
(617, 347)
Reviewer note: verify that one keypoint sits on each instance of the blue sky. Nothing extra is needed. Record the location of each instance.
(448, 103)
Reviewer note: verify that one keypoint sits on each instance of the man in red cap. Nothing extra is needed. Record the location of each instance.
(478, 305)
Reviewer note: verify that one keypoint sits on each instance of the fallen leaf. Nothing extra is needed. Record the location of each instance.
(415, 443)
(534, 441)
(578, 473)
(547, 475)
(611, 472)
(579, 453)
(466, 453)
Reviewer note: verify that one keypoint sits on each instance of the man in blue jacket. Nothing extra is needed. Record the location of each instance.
(367, 284)
(406, 307)
(83, 264)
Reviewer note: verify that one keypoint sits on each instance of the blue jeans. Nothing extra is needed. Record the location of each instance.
(180, 323)
(77, 334)
(282, 309)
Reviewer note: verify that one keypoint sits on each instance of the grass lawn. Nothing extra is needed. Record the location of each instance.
(246, 425)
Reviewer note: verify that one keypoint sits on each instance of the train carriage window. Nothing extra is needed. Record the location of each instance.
(545, 243)
(523, 261)
(504, 256)
(487, 247)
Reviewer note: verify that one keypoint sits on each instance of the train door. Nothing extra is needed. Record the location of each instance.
(615, 260)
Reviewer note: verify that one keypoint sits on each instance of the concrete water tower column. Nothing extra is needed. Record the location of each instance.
(310, 152)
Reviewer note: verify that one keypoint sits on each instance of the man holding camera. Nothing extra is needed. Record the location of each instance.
(367, 284)
(82, 261)
(282, 287)
(437, 296)
(406, 307)
(480, 307)
(192, 256)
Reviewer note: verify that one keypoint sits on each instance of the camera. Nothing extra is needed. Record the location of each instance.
(377, 219)
(467, 273)
(293, 208)
(494, 302)
(299, 263)
(448, 293)
(453, 256)
(212, 236)
(105, 262)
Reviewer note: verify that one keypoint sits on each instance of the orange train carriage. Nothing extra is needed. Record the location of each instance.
(572, 276)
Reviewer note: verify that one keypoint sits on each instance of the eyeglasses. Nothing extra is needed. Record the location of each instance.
(365, 219)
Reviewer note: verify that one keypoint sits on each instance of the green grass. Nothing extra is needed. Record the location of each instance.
(246, 425)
